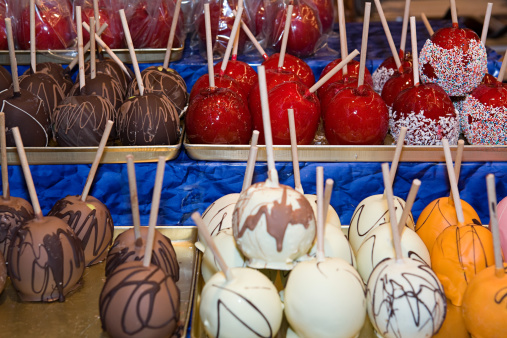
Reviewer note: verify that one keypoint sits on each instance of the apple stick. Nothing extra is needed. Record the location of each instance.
(33, 43)
(230, 44)
(96, 161)
(266, 122)
(234, 56)
(409, 204)
(502, 68)
(388, 35)
(285, 37)
(327, 195)
(427, 24)
(96, 14)
(174, 23)
(155, 203)
(134, 202)
(493, 221)
(28, 175)
(454, 13)
(12, 55)
(294, 151)
(93, 67)
(364, 43)
(320, 215)
(415, 60)
(332, 72)
(392, 213)
(404, 27)
(397, 154)
(74, 61)
(203, 230)
(80, 47)
(108, 50)
(343, 34)
(6, 193)
(209, 48)
(250, 164)
(457, 162)
(252, 38)
(485, 27)
(452, 180)
(132, 52)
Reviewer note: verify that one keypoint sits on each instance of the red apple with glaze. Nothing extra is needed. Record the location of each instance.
(304, 32)
(274, 77)
(294, 65)
(240, 71)
(223, 81)
(54, 28)
(489, 79)
(326, 13)
(260, 16)
(396, 84)
(113, 35)
(352, 71)
(3, 34)
(356, 116)
(334, 88)
(288, 95)
(387, 68)
(218, 116)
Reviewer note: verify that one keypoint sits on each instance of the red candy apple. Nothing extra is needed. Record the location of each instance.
(3, 34)
(223, 81)
(288, 95)
(113, 35)
(294, 65)
(260, 17)
(356, 116)
(334, 88)
(274, 77)
(352, 71)
(396, 84)
(326, 13)
(218, 116)
(489, 79)
(240, 71)
(492, 94)
(387, 68)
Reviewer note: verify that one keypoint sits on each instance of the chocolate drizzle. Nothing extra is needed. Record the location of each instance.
(13, 213)
(5, 78)
(56, 71)
(43, 86)
(103, 85)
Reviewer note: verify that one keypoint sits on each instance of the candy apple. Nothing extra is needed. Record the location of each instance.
(334, 88)
(113, 35)
(292, 64)
(240, 71)
(221, 81)
(396, 84)
(352, 71)
(3, 34)
(274, 77)
(326, 13)
(387, 68)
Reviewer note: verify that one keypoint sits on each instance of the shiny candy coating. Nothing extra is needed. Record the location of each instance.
(240, 71)
(352, 72)
(221, 81)
(294, 65)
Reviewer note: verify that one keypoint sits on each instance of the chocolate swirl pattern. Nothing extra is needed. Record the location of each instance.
(13, 213)
(218, 216)
(56, 71)
(110, 67)
(103, 85)
(43, 86)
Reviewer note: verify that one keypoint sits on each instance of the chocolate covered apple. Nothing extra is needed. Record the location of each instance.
(57, 72)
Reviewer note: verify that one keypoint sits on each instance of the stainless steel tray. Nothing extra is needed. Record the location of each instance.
(65, 56)
(78, 316)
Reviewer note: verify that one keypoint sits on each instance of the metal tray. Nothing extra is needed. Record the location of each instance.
(65, 56)
(78, 316)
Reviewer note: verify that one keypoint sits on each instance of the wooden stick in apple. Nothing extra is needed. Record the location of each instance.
(397, 154)
(80, 52)
(93, 66)
(501, 74)
(392, 212)
(415, 61)
(155, 203)
(285, 38)
(327, 195)
(294, 151)
(230, 44)
(75, 61)
(404, 28)
(427, 24)
(416, 184)
(252, 38)
(485, 27)
(6, 191)
(493, 221)
(320, 215)
(454, 184)
(457, 162)
(388, 35)
(132, 52)
(96, 14)
(364, 43)
(343, 33)
(12, 56)
(174, 23)
(209, 48)
(235, 47)
(33, 45)
(250, 164)
(454, 13)
(134, 202)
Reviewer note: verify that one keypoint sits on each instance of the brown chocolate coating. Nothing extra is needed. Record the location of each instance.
(103, 85)
(3, 273)
(13, 213)
(108, 66)
(5, 78)
(91, 222)
(46, 260)
(79, 121)
(45, 87)
(163, 81)
(150, 119)
(56, 71)
(28, 112)
(126, 249)
(139, 301)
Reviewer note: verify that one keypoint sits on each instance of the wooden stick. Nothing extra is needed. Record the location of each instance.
(134, 202)
(343, 33)
(327, 196)
(6, 194)
(333, 71)
(155, 203)
(404, 26)
(457, 162)
(93, 66)
(204, 232)
(285, 37)
(266, 122)
(364, 43)
(294, 151)
(416, 184)
(320, 215)
(12, 55)
(74, 61)
(250, 164)
(80, 47)
(252, 38)
(452, 180)
(108, 50)
(388, 34)
(392, 212)
(132, 52)
(485, 27)
(28, 175)
(33, 42)
(235, 47)
(502, 68)
(172, 32)
(454, 13)
(96, 14)
(415, 60)
(230, 44)
(209, 47)
(96, 161)
(427, 24)
(397, 154)
(493, 221)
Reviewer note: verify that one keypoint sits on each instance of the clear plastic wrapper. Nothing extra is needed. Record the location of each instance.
(326, 12)
(150, 23)
(54, 25)
(3, 15)
(113, 36)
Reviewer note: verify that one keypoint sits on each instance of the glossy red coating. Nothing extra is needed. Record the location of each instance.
(240, 71)
(396, 84)
(113, 36)
(273, 78)
(494, 95)
(292, 64)
(224, 81)
(489, 79)
(334, 88)
(326, 13)
(352, 71)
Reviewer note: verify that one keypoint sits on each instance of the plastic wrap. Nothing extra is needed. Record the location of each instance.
(3, 15)
(150, 23)
(108, 13)
(54, 26)
(326, 12)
